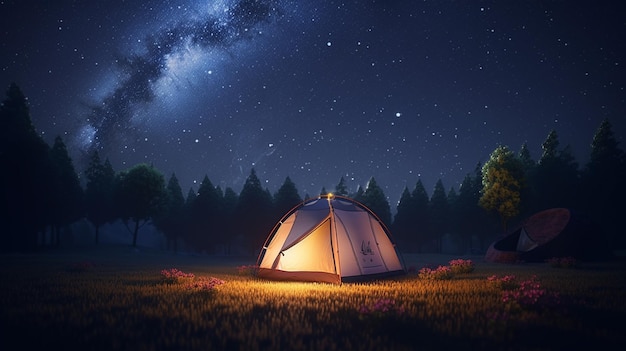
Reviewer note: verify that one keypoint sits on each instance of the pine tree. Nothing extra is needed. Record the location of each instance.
(255, 204)
(25, 180)
(403, 222)
(555, 179)
(603, 178)
(285, 198)
(67, 202)
(439, 214)
(374, 198)
(170, 219)
(341, 189)
(421, 216)
(204, 216)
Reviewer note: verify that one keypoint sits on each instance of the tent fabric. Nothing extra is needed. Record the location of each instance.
(555, 232)
(329, 239)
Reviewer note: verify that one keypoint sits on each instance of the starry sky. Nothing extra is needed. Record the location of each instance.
(316, 90)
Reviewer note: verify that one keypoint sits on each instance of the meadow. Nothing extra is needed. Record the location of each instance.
(119, 298)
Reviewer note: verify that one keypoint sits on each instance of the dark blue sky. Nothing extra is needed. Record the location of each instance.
(397, 90)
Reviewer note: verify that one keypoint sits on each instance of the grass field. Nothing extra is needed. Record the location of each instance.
(117, 298)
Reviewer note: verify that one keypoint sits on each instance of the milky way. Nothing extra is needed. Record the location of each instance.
(314, 90)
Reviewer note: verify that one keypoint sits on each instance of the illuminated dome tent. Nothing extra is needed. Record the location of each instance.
(555, 232)
(329, 239)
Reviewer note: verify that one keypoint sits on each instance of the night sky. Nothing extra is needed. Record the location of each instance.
(316, 90)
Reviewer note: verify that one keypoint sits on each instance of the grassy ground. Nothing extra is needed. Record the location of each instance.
(116, 298)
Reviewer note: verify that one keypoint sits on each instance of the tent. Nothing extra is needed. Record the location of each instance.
(329, 239)
(555, 232)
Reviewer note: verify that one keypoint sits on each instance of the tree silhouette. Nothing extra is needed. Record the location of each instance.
(439, 214)
(602, 180)
(171, 217)
(229, 204)
(555, 176)
(502, 175)
(99, 193)
(421, 215)
(24, 180)
(67, 194)
(374, 198)
(254, 210)
(205, 215)
(403, 225)
(285, 198)
(341, 188)
(139, 196)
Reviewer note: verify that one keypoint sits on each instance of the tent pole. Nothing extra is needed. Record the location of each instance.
(333, 236)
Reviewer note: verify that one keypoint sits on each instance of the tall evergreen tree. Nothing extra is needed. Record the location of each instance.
(421, 215)
(285, 198)
(255, 205)
(171, 217)
(99, 193)
(341, 189)
(603, 178)
(439, 214)
(375, 199)
(555, 179)
(67, 201)
(24, 181)
(404, 221)
(205, 215)
(527, 194)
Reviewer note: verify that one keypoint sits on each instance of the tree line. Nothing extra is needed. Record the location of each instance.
(42, 194)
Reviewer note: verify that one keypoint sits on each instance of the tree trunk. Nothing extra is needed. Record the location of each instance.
(135, 233)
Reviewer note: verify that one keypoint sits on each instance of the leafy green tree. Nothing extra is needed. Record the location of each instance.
(171, 217)
(285, 198)
(375, 199)
(99, 206)
(439, 214)
(24, 181)
(139, 196)
(67, 194)
(341, 189)
(502, 176)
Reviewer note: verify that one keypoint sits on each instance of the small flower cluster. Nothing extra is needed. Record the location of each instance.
(563, 262)
(381, 307)
(440, 273)
(206, 284)
(460, 266)
(526, 293)
(248, 270)
(174, 275)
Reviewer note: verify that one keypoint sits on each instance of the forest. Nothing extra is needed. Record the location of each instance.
(43, 194)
